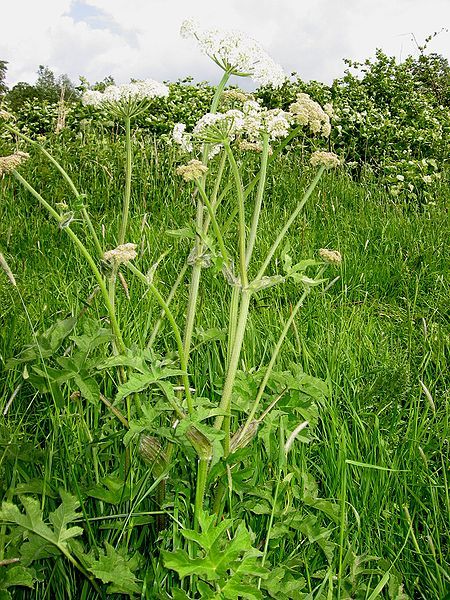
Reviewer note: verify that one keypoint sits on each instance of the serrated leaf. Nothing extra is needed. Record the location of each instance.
(15, 575)
(63, 515)
(139, 382)
(32, 521)
(113, 568)
(47, 342)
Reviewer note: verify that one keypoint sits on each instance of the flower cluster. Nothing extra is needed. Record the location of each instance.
(121, 255)
(11, 162)
(233, 95)
(126, 98)
(248, 124)
(236, 53)
(305, 111)
(195, 169)
(329, 160)
(330, 256)
(182, 138)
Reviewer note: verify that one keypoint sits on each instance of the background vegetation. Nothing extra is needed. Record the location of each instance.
(365, 498)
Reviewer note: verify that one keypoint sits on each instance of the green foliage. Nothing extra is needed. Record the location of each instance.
(116, 569)
(227, 567)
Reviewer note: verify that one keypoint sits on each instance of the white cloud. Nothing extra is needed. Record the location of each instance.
(139, 38)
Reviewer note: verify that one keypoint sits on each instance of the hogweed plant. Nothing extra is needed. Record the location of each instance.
(173, 427)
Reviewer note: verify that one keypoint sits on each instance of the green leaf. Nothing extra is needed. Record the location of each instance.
(32, 522)
(46, 343)
(112, 490)
(15, 575)
(88, 387)
(114, 568)
(182, 233)
(139, 382)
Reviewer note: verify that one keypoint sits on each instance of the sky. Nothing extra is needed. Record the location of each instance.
(140, 38)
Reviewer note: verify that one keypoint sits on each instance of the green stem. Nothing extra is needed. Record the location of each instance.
(70, 182)
(276, 351)
(219, 90)
(258, 200)
(289, 222)
(252, 184)
(225, 403)
(214, 200)
(176, 331)
(233, 318)
(213, 220)
(127, 195)
(172, 293)
(84, 251)
(202, 474)
(196, 269)
(241, 210)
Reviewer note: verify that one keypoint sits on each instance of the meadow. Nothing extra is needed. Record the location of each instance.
(113, 486)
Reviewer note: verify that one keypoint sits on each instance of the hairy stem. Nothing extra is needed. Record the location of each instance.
(225, 402)
(127, 194)
(258, 200)
(275, 353)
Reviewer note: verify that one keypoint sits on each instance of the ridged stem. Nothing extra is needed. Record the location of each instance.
(127, 194)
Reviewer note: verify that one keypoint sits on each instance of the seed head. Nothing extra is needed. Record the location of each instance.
(11, 162)
(121, 255)
(330, 256)
(194, 169)
(327, 159)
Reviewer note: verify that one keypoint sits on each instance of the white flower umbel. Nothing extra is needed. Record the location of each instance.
(236, 53)
(181, 138)
(306, 111)
(128, 99)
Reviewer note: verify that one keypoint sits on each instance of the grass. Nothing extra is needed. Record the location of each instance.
(379, 337)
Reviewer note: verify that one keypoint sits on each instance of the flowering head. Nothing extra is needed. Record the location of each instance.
(12, 162)
(194, 170)
(329, 160)
(305, 111)
(235, 53)
(123, 254)
(128, 99)
(332, 257)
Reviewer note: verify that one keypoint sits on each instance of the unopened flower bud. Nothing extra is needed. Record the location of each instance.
(329, 160)
(122, 254)
(195, 169)
(11, 162)
(244, 435)
(200, 443)
(152, 453)
(330, 256)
